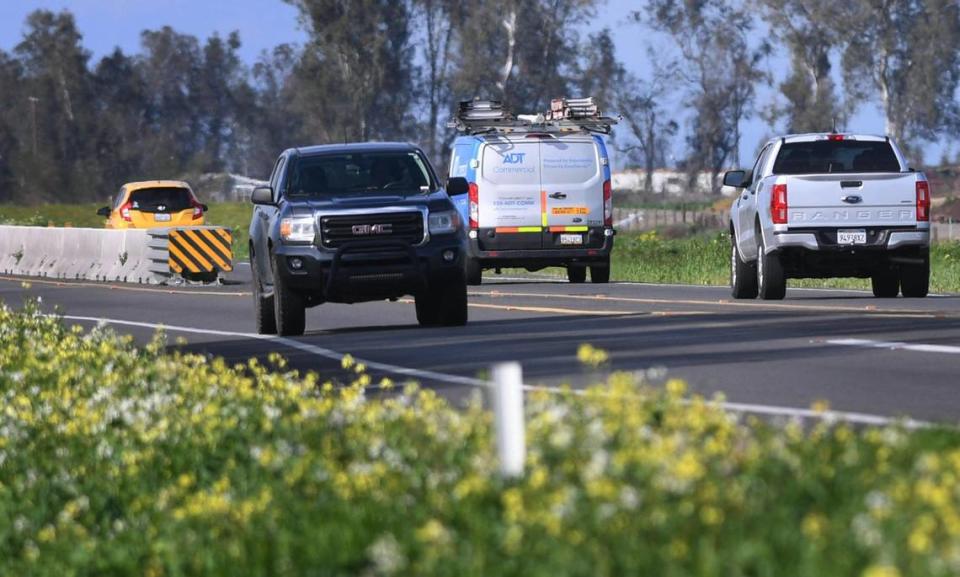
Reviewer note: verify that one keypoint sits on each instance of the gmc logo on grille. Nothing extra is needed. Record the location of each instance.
(371, 229)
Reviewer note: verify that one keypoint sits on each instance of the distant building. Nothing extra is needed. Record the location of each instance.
(667, 182)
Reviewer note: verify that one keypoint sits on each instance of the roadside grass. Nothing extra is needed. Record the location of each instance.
(705, 259)
(234, 215)
(117, 459)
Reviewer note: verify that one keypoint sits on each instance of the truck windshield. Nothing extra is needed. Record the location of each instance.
(360, 174)
(835, 156)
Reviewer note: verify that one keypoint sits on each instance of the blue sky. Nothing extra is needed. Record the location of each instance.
(264, 24)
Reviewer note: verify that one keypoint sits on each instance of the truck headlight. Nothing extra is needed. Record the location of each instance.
(444, 222)
(297, 229)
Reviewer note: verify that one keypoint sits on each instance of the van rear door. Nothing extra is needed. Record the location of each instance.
(508, 191)
(571, 178)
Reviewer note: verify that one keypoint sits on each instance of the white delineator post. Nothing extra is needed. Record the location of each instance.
(508, 421)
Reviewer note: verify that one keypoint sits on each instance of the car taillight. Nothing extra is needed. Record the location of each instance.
(923, 201)
(835, 137)
(474, 206)
(778, 204)
(197, 209)
(125, 212)
(607, 203)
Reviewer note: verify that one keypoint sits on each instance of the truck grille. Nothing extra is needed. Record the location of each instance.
(405, 227)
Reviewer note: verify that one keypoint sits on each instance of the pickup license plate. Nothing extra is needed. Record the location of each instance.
(571, 239)
(161, 217)
(854, 236)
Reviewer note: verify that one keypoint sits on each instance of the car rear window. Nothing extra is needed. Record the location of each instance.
(161, 199)
(835, 156)
(359, 174)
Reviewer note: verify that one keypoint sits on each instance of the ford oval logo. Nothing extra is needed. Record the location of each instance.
(371, 229)
(852, 199)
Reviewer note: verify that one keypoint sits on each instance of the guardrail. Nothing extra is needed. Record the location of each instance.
(142, 256)
(642, 219)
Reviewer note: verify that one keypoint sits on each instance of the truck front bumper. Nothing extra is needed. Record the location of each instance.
(363, 271)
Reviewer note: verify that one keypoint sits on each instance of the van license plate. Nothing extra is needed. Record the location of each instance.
(161, 217)
(855, 236)
(571, 239)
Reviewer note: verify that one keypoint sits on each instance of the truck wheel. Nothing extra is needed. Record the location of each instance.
(444, 304)
(473, 271)
(885, 284)
(743, 275)
(915, 278)
(771, 281)
(289, 308)
(576, 273)
(600, 273)
(262, 305)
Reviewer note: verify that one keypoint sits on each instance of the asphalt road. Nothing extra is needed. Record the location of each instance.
(897, 357)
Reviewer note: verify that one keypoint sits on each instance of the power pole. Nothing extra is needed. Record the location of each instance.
(33, 113)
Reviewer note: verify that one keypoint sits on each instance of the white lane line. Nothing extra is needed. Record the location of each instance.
(770, 410)
(896, 346)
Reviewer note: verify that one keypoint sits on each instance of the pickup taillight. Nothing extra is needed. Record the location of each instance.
(778, 204)
(474, 206)
(607, 204)
(923, 201)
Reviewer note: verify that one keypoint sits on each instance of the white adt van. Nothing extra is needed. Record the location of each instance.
(534, 190)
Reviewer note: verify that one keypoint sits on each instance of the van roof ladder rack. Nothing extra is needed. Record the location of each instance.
(565, 115)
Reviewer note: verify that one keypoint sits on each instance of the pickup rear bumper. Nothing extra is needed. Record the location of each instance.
(883, 238)
(816, 253)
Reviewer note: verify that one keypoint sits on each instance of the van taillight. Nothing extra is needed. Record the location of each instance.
(474, 206)
(607, 204)
(923, 201)
(125, 212)
(778, 204)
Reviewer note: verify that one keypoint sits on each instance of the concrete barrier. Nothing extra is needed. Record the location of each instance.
(139, 256)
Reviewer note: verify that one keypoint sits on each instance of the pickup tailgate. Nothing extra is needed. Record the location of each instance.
(861, 200)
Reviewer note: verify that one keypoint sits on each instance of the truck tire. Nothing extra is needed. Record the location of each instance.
(576, 273)
(262, 305)
(885, 284)
(771, 281)
(915, 278)
(442, 305)
(289, 308)
(743, 275)
(473, 271)
(600, 273)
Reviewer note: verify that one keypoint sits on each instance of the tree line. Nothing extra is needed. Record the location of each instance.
(74, 129)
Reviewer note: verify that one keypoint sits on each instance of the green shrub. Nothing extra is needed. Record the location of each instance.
(124, 460)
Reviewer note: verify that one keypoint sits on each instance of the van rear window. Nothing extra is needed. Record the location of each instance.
(172, 199)
(835, 156)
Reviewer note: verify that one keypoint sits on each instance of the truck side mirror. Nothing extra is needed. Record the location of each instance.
(262, 195)
(103, 211)
(457, 186)
(735, 178)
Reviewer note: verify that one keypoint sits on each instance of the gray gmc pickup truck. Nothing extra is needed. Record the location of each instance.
(352, 223)
(829, 205)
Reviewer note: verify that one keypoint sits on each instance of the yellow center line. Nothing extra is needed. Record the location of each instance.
(552, 310)
(699, 302)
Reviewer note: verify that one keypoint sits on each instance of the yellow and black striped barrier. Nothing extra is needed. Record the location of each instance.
(200, 250)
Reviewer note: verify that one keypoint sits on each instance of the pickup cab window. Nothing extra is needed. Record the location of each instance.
(835, 156)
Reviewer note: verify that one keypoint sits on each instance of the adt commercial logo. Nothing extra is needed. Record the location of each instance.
(514, 158)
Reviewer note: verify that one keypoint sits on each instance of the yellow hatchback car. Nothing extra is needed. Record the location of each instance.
(154, 203)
